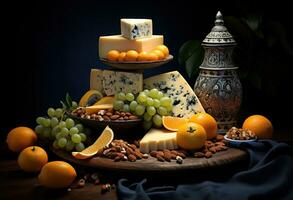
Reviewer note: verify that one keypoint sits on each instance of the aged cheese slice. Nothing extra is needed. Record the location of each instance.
(96, 108)
(120, 43)
(136, 28)
(96, 80)
(158, 139)
(185, 102)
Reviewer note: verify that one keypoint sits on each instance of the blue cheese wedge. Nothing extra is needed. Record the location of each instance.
(185, 102)
(117, 81)
(136, 28)
(109, 81)
(128, 82)
(96, 80)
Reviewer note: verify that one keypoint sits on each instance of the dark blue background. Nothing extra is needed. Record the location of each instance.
(54, 46)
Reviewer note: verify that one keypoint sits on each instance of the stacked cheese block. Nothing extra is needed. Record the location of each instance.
(136, 35)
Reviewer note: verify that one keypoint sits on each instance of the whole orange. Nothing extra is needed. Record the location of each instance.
(32, 159)
(208, 122)
(191, 136)
(57, 174)
(21, 137)
(260, 125)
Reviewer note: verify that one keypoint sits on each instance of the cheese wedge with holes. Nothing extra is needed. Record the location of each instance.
(120, 43)
(158, 139)
(136, 28)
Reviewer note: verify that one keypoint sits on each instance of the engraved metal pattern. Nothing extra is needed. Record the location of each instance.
(220, 93)
(218, 86)
(218, 58)
(219, 33)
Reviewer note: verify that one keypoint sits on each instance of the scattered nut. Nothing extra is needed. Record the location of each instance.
(179, 160)
(81, 183)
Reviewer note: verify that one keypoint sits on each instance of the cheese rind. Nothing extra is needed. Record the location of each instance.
(96, 80)
(185, 102)
(136, 28)
(128, 82)
(119, 43)
(158, 139)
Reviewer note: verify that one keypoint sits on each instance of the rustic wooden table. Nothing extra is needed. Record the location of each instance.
(15, 184)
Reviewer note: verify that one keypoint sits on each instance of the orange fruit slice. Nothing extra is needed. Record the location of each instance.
(208, 122)
(191, 136)
(104, 140)
(57, 174)
(260, 126)
(96, 108)
(173, 123)
(106, 100)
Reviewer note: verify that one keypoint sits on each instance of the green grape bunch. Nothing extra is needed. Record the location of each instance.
(61, 130)
(150, 105)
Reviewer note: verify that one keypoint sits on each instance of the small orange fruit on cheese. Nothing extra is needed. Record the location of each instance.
(173, 123)
(131, 55)
(152, 56)
(208, 122)
(21, 137)
(142, 56)
(260, 125)
(159, 53)
(121, 57)
(57, 174)
(164, 49)
(113, 55)
(191, 136)
(32, 159)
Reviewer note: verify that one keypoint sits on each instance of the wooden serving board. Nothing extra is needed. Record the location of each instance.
(220, 159)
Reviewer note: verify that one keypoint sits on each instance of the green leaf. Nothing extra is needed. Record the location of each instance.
(277, 35)
(64, 106)
(239, 29)
(193, 62)
(253, 21)
(187, 50)
(68, 100)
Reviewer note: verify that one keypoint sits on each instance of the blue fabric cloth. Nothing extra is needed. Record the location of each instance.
(269, 176)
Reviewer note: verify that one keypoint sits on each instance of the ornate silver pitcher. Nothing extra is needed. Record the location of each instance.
(218, 86)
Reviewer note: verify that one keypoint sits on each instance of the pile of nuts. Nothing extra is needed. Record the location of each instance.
(168, 155)
(211, 147)
(104, 115)
(121, 150)
(240, 134)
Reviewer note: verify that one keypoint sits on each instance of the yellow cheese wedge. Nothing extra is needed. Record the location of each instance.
(96, 108)
(118, 42)
(158, 139)
(104, 140)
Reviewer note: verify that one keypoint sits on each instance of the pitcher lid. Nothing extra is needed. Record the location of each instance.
(219, 33)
